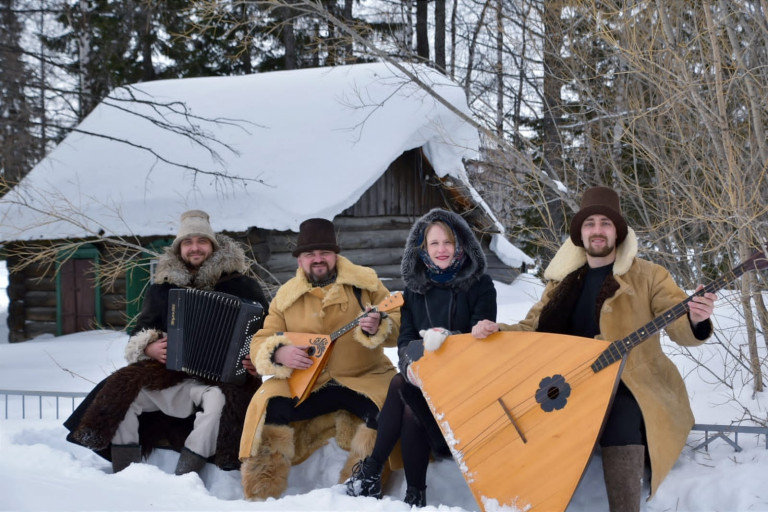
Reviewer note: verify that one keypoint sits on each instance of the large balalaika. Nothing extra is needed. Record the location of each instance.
(209, 333)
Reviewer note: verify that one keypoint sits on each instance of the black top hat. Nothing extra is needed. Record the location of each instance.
(316, 234)
(602, 201)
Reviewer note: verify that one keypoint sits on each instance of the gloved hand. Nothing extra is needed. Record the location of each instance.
(411, 377)
(434, 337)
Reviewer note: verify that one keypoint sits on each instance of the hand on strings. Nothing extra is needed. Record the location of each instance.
(484, 328)
(434, 337)
(158, 349)
(370, 321)
(248, 365)
(700, 307)
(293, 356)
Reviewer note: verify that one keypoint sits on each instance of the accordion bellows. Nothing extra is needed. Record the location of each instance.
(209, 333)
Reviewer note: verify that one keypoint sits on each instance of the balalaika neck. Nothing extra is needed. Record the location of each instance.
(351, 325)
(618, 349)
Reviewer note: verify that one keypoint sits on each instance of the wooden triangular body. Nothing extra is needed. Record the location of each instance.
(512, 449)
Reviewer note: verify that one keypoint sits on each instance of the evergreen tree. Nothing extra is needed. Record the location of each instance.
(18, 147)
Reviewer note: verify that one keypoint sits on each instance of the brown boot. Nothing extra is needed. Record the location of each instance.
(123, 455)
(623, 468)
(266, 474)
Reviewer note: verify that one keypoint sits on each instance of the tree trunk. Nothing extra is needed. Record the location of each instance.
(499, 68)
(440, 35)
(422, 29)
(289, 38)
(552, 146)
(454, 10)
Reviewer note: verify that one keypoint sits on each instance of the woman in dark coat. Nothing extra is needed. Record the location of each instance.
(447, 292)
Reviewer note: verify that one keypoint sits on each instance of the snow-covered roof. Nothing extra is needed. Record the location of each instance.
(266, 150)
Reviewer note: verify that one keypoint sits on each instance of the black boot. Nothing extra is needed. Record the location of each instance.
(123, 455)
(365, 479)
(416, 497)
(189, 462)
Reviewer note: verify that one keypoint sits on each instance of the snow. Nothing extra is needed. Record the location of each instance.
(40, 470)
(267, 150)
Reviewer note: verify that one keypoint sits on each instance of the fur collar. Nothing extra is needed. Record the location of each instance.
(414, 270)
(570, 257)
(347, 273)
(228, 258)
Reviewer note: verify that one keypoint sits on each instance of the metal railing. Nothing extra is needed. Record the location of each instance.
(722, 431)
(60, 402)
(711, 431)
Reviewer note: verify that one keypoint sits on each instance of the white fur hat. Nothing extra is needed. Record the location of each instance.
(195, 223)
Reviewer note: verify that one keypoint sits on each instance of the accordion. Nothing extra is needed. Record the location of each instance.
(209, 333)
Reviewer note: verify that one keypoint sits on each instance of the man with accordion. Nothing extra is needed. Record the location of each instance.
(145, 403)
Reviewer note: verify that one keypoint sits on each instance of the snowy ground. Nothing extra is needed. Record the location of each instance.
(40, 470)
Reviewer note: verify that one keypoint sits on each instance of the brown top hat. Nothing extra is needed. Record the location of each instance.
(316, 234)
(601, 201)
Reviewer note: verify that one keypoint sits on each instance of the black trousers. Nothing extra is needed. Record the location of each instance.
(330, 398)
(624, 425)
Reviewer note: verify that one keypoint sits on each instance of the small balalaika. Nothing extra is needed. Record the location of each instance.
(209, 333)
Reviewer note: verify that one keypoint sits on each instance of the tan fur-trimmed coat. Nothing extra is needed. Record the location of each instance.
(358, 361)
(638, 292)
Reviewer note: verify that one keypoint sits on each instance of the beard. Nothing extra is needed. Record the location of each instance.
(319, 272)
(193, 266)
(601, 252)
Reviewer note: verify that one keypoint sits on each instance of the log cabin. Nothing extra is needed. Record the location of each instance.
(110, 194)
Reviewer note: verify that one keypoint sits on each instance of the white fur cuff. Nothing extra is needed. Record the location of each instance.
(374, 340)
(134, 350)
(263, 362)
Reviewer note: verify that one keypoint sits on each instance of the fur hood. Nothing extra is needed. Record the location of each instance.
(571, 257)
(413, 269)
(228, 258)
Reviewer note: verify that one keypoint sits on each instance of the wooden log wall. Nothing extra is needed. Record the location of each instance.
(372, 233)
(376, 242)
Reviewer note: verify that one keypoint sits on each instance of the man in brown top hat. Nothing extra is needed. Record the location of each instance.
(327, 293)
(598, 287)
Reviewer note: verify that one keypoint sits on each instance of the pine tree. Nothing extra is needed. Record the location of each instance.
(18, 147)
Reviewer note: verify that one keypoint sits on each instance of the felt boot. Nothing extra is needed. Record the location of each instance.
(266, 474)
(189, 462)
(623, 472)
(123, 455)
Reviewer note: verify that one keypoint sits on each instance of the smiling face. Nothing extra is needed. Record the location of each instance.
(194, 250)
(317, 265)
(441, 245)
(599, 236)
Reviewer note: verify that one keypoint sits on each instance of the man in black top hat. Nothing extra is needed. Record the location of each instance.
(327, 293)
